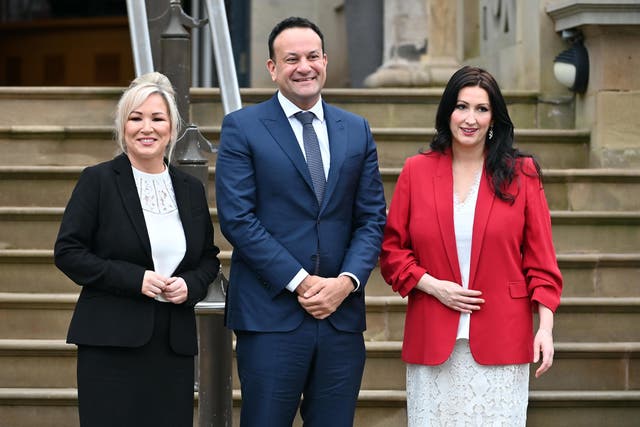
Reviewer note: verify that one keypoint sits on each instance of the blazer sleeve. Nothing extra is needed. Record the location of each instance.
(74, 253)
(398, 263)
(539, 262)
(369, 216)
(205, 271)
(236, 201)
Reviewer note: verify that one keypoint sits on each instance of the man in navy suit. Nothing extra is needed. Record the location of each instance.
(301, 257)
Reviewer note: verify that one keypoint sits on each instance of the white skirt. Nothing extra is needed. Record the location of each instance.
(460, 392)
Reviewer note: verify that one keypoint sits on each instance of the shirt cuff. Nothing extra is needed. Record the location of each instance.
(353, 278)
(297, 279)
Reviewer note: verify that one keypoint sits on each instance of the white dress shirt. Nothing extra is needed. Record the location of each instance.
(320, 126)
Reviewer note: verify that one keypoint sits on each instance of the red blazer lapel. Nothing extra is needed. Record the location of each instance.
(443, 191)
(486, 196)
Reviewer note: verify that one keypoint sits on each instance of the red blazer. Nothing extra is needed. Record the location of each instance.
(513, 262)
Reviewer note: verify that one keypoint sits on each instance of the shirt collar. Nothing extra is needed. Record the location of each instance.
(290, 108)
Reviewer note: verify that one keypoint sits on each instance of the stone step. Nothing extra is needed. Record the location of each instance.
(575, 232)
(50, 145)
(27, 363)
(37, 316)
(572, 189)
(384, 107)
(50, 186)
(95, 106)
(44, 186)
(566, 189)
(585, 275)
(55, 407)
(86, 145)
(554, 148)
(607, 275)
(59, 106)
(37, 228)
(584, 408)
(51, 407)
(33, 271)
(592, 189)
(579, 319)
(596, 231)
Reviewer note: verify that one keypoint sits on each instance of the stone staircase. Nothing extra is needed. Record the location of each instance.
(48, 135)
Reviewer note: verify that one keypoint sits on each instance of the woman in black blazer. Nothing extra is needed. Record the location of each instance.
(137, 236)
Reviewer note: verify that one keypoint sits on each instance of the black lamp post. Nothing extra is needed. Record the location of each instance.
(215, 344)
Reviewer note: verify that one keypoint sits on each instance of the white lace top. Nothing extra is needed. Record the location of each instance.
(463, 214)
(166, 235)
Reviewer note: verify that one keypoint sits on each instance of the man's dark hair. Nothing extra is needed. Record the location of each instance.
(292, 22)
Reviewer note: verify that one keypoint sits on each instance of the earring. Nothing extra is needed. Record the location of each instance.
(491, 132)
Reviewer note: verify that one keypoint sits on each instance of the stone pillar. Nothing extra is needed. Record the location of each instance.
(405, 42)
(610, 106)
(611, 34)
(444, 52)
(422, 46)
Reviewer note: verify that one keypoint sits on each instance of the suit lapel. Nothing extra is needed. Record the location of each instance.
(484, 204)
(278, 126)
(131, 200)
(337, 146)
(443, 190)
(183, 200)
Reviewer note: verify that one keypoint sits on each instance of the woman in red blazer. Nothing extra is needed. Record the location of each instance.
(468, 240)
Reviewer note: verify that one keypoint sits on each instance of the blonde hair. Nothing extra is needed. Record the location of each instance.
(136, 94)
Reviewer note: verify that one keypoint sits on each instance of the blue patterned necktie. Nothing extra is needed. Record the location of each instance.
(312, 151)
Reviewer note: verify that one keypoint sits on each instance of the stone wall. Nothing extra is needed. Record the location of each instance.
(327, 14)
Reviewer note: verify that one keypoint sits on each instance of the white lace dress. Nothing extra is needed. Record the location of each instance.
(460, 392)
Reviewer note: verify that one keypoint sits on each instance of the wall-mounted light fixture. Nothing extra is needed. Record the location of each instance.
(571, 67)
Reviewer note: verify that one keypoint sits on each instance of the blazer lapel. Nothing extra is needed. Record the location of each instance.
(131, 200)
(183, 200)
(484, 204)
(443, 190)
(278, 126)
(337, 146)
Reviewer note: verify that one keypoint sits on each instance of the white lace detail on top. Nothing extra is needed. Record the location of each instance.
(161, 215)
(472, 195)
(155, 191)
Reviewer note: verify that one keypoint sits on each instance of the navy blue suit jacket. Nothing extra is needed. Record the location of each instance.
(269, 213)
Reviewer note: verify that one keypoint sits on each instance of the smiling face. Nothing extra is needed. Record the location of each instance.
(147, 133)
(471, 118)
(299, 66)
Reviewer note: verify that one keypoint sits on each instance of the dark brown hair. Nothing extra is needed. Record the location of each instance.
(501, 155)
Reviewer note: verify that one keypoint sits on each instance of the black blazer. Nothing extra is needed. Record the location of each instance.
(103, 246)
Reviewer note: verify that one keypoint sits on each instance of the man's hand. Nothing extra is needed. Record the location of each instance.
(325, 295)
(307, 283)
